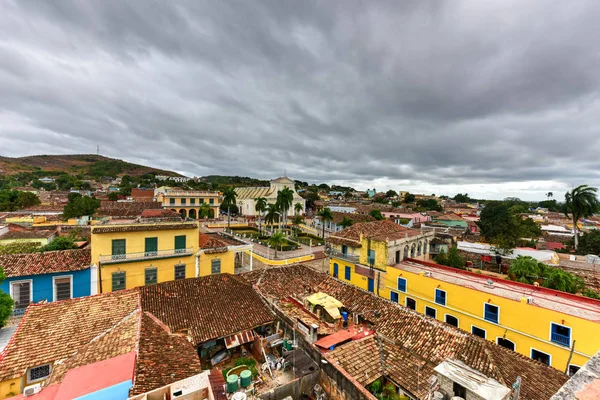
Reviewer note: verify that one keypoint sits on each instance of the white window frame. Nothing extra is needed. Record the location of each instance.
(563, 326)
(22, 281)
(435, 297)
(405, 285)
(29, 380)
(531, 349)
(454, 316)
(484, 331)
(397, 294)
(503, 338)
(495, 305)
(54, 285)
(425, 312)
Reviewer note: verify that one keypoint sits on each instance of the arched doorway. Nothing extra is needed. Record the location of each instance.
(413, 248)
(183, 213)
(192, 214)
(405, 255)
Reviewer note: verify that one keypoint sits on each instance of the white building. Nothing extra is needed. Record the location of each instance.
(246, 196)
(181, 179)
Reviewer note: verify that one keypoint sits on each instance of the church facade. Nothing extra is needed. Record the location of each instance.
(246, 196)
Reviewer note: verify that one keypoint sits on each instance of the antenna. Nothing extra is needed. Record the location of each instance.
(98, 150)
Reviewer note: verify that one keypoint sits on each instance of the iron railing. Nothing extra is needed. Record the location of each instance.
(563, 340)
(344, 256)
(145, 255)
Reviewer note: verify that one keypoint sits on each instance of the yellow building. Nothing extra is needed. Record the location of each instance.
(25, 235)
(142, 253)
(556, 328)
(219, 254)
(360, 254)
(188, 202)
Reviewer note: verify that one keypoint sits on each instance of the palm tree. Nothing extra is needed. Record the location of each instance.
(204, 211)
(296, 221)
(285, 198)
(276, 239)
(549, 194)
(346, 222)
(298, 208)
(325, 215)
(260, 207)
(229, 198)
(581, 202)
(272, 215)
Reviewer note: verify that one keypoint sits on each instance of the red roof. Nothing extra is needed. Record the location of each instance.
(238, 339)
(335, 338)
(554, 245)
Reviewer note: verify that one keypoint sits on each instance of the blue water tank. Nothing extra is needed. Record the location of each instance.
(345, 315)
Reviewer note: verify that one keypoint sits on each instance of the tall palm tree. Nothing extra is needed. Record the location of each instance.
(272, 215)
(325, 215)
(298, 208)
(260, 207)
(229, 199)
(581, 202)
(549, 194)
(285, 198)
(346, 222)
(276, 239)
(204, 211)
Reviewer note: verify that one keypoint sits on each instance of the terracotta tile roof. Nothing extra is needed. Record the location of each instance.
(125, 208)
(379, 230)
(429, 340)
(117, 340)
(163, 357)
(205, 307)
(46, 262)
(338, 217)
(55, 331)
(159, 213)
(143, 227)
(28, 234)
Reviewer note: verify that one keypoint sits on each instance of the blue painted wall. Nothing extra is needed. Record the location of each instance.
(42, 284)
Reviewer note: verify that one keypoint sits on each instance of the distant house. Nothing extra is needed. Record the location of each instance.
(335, 224)
(142, 194)
(48, 276)
(17, 234)
(370, 192)
(46, 180)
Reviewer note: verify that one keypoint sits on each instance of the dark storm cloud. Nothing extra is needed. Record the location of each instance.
(448, 93)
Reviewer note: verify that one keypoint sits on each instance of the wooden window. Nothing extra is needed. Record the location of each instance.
(150, 276)
(215, 267)
(151, 247)
(118, 280)
(179, 271)
(62, 288)
(180, 244)
(430, 312)
(118, 249)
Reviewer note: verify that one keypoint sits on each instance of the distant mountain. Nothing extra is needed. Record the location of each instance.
(89, 165)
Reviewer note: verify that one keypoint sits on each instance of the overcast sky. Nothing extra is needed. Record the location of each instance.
(494, 98)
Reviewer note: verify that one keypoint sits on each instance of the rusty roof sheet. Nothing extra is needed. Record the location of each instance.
(239, 339)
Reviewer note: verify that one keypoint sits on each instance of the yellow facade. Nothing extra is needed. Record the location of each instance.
(189, 202)
(11, 387)
(527, 326)
(227, 264)
(139, 263)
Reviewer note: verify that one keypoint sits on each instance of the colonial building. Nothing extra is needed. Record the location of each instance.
(188, 202)
(246, 196)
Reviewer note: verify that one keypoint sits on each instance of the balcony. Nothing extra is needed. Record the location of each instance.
(343, 256)
(145, 255)
(563, 340)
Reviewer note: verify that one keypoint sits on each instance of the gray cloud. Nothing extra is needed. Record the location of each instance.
(432, 96)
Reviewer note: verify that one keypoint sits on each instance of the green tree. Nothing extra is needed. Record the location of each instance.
(375, 213)
(79, 205)
(6, 302)
(310, 196)
(462, 198)
(580, 202)
(27, 199)
(396, 203)
(564, 281)
(272, 215)
(589, 243)
(229, 199)
(204, 211)
(298, 208)
(346, 222)
(60, 243)
(590, 293)
(325, 215)
(285, 198)
(430, 205)
(260, 207)
(409, 198)
(452, 259)
(526, 269)
(276, 240)
(498, 225)
(551, 205)
(113, 196)
(391, 193)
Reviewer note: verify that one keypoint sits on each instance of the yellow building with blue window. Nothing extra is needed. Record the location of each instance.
(143, 253)
(557, 328)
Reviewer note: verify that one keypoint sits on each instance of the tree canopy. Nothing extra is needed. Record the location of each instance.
(375, 213)
(11, 200)
(452, 259)
(6, 302)
(529, 270)
(501, 224)
(580, 202)
(391, 193)
(589, 243)
(429, 205)
(409, 198)
(79, 205)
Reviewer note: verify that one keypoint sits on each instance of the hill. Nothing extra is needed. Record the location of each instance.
(89, 165)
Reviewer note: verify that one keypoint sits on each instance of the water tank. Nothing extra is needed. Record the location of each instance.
(232, 383)
(245, 378)
(239, 396)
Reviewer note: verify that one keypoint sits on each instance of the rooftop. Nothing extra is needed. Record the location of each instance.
(141, 226)
(584, 385)
(46, 262)
(355, 218)
(190, 193)
(126, 208)
(412, 339)
(217, 243)
(378, 230)
(577, 306)
(28, 234)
